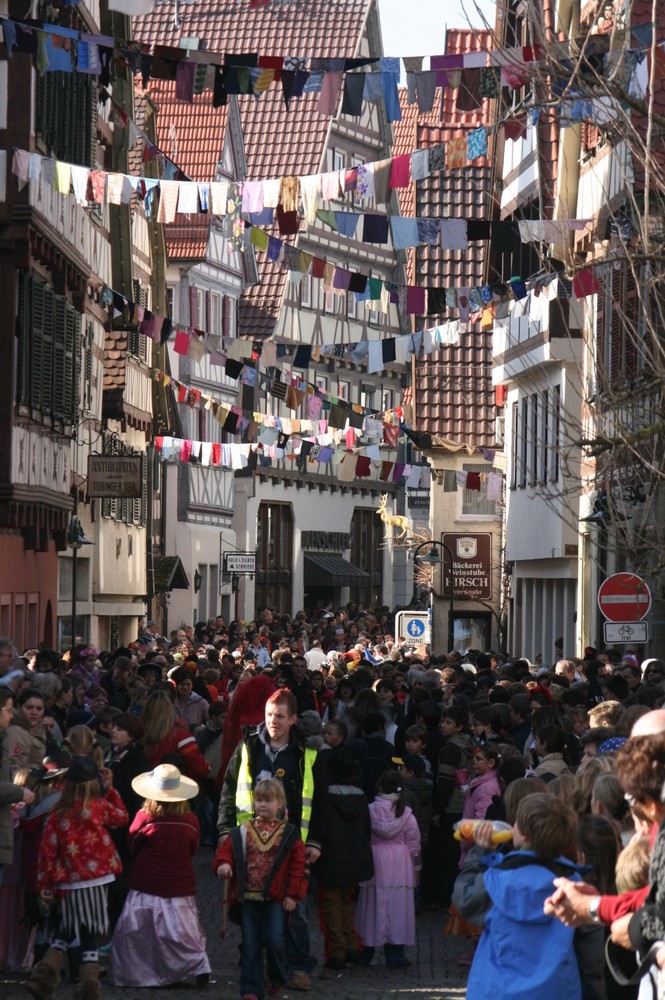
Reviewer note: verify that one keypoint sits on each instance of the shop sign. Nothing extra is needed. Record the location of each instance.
(325, 541)
(472, 565)
(115, 476)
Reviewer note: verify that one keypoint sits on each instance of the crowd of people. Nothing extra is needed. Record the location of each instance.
(327, 766)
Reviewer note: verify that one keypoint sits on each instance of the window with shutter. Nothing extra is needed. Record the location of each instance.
(193, 307)
(60, 357)
(601, 345)
(524, 442)
(137, 343)
(87, 367)
(226, 317)
(143, 520)
(44, 370)
(630, 324)
(545, 451)
(515, 447)
(48, 346)
(618, 337)
(66, 116)
(590, 136)
(535, 441)
(556, 433)
(30, 347)
(616, 359)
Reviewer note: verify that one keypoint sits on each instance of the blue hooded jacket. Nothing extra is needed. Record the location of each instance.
(524, 954)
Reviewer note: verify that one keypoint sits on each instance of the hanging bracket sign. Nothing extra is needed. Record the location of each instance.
(115, 476)
(240, 563)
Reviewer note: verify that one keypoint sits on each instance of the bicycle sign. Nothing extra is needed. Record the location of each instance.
(618, 632)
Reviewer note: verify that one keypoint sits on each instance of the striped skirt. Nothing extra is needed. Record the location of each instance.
(84, 907)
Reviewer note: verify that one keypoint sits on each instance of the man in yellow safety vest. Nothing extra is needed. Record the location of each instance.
(275, 749)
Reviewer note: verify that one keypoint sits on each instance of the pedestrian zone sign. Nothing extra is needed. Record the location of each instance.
(412, 627)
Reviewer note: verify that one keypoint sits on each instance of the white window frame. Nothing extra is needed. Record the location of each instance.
(306, 291)
(215, 314)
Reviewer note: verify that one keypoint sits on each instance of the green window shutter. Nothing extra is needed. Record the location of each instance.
(40, 351)
(72, 338)
(144, 491)
(24, 334)
(59, 369)
(85, 389)
(92, 123)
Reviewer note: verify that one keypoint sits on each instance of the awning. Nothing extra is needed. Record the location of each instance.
(170, 574)
(325, 569)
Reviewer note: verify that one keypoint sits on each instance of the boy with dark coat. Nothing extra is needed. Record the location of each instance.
(418, 791)
(346, 855)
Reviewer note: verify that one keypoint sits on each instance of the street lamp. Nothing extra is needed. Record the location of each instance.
(432, 559)
(75, 539)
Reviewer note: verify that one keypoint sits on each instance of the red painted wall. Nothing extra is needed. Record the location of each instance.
(28, 593)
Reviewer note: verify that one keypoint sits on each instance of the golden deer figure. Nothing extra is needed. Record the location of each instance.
(393, 520)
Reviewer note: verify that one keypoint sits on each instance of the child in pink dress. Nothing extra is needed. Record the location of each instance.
(386, 911)
(484, 785)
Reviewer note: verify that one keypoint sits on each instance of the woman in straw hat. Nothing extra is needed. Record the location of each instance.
(159, 939)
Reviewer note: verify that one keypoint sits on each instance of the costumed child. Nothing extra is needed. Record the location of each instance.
(77, 861)
(346, 854)
(158, 939)
(386, 910)
(522, 951)
(265, 858)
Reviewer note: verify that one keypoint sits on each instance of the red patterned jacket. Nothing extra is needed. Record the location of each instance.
(76, 846)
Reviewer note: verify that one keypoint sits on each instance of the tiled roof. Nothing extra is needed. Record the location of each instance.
(192, 135)
(453, 395)
(115, 357)
(405, 139)
(114, 404)
(186, 239)
(279, 141)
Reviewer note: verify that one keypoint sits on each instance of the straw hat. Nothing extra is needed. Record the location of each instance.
(165, 784)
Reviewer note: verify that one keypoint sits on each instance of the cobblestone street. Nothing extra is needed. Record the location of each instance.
(433, 974)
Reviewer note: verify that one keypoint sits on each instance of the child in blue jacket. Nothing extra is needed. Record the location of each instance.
(522, 954)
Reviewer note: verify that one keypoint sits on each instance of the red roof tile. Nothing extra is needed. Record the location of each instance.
(453, 395)
(278, 140)
(192, 135)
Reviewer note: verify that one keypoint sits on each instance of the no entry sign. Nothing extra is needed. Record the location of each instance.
(624, 597)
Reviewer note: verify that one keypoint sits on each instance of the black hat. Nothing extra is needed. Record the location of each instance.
(56, 764)
(82, 717)
(341, 766)
(412, 762)
(82, 769)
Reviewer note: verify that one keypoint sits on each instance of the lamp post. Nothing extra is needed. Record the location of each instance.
(432, 559)
(75, 539)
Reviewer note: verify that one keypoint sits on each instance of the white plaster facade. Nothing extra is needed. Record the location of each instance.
(199, 502)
